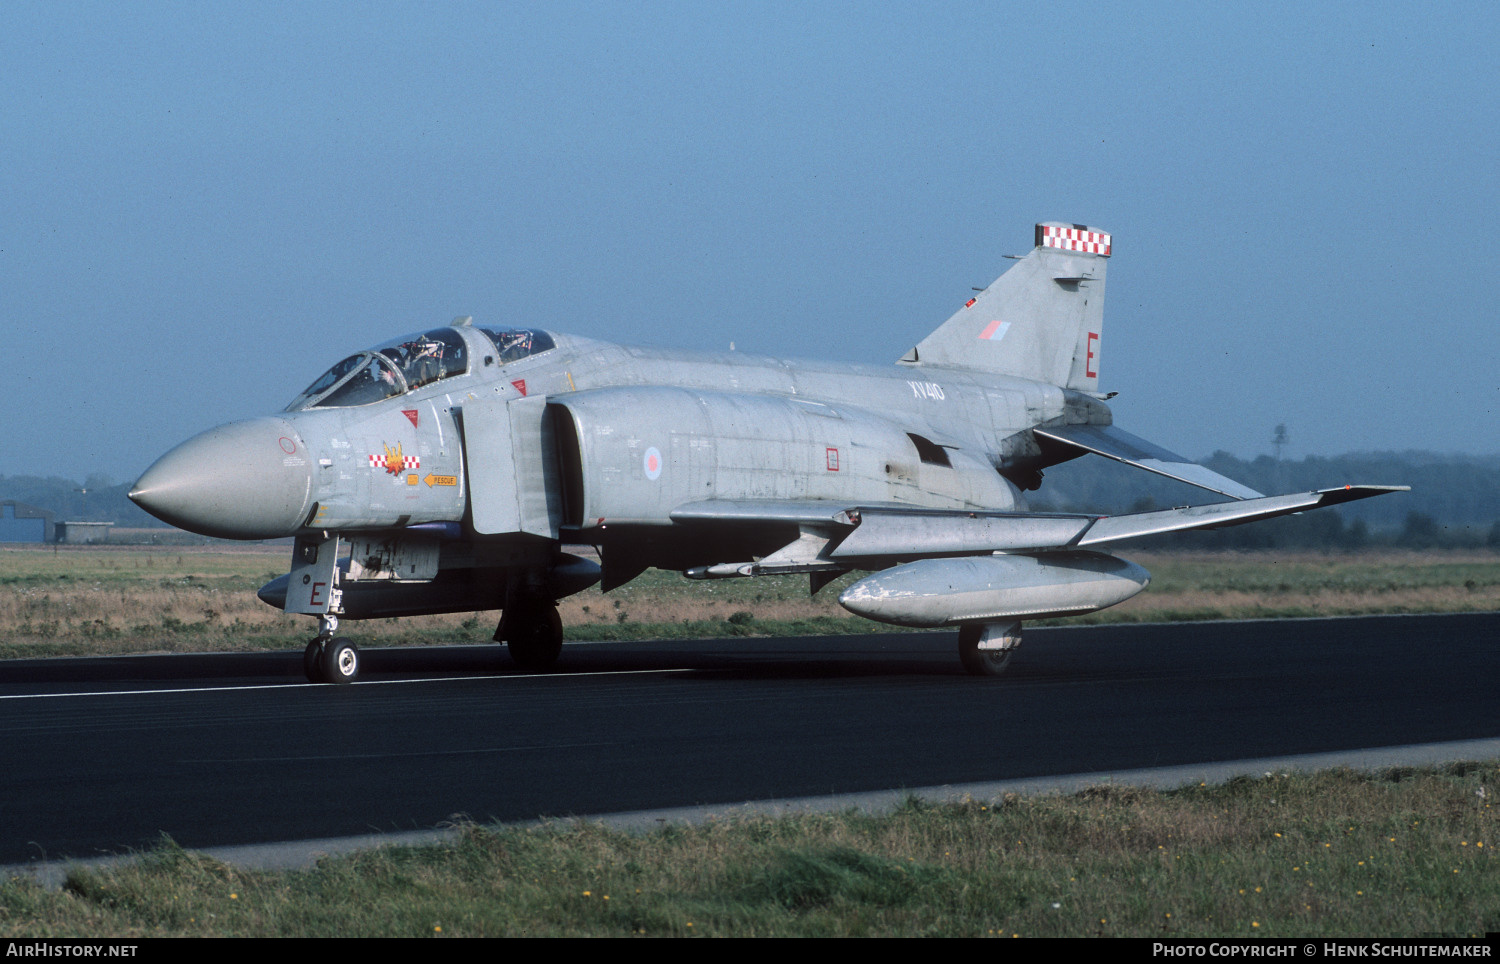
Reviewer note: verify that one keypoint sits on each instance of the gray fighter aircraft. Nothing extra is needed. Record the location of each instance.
(444, 471)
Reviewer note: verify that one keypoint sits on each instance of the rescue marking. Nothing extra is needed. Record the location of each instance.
(928, 390)
(995, 330)
(520, 384)
(432, 480)
(411, 415)
(833, 459)
(393, 461)
(652, 464)
(411, 480)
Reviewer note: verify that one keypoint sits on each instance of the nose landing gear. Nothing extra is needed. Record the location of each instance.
(329, 658)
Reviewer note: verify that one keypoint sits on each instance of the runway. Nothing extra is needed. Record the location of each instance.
(218, 750)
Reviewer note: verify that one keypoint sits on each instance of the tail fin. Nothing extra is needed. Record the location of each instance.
(1041, 319)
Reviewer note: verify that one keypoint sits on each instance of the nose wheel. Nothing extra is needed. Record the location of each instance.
(329, 658)
(333, 660)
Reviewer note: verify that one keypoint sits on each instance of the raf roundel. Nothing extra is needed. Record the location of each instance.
(652, 464)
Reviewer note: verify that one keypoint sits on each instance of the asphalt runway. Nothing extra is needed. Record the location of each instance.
(104, 754)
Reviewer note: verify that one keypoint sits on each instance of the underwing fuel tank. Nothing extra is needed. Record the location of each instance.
(949, 592)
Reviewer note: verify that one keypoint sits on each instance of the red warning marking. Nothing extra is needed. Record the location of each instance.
(1088, 362)
(287, 445)
(520, 384)
(833, 459)
(411, 416)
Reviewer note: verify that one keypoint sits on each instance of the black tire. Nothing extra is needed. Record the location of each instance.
(340, 662)
(981, 662)
(312, 661)
(534, 637)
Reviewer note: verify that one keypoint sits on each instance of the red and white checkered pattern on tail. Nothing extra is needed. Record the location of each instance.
(407, 462)
(1075, 239)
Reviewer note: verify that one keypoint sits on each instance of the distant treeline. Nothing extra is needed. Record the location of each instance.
(96, 499)
(1454, 501)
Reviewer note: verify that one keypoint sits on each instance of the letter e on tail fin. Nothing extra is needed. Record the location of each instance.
(1042, 319)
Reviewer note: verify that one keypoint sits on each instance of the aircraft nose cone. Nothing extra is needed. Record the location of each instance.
(244, 480)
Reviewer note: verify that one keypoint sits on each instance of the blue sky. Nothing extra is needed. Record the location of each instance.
(203, 205)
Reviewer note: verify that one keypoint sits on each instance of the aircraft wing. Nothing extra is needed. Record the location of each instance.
(1122, 446)
(1221, 514)
(852, 534)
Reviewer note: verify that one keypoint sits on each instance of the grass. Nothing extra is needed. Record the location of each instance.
(85, 600)
(1336, 854)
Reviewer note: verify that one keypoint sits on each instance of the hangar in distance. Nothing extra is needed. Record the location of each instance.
(445, 471)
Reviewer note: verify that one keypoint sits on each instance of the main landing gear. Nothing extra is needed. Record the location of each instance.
(532, 630)
(329, 658)
(986, 649)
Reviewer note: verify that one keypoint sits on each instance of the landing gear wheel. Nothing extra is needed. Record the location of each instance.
(534, 636)
(340, 663)
(312, 661)
(986, 662)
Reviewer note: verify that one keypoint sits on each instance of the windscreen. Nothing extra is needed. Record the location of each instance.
(372, 379)
(398, 366)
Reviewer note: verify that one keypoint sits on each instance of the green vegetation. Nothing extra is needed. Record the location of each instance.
(1404, 852)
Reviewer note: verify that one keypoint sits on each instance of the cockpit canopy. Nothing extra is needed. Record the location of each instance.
(514, 344)
(410, 362)
(393, 368)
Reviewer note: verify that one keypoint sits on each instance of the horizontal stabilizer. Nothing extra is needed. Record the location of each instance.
(1120, 445)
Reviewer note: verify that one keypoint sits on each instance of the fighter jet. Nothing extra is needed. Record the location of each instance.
(445, 471)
